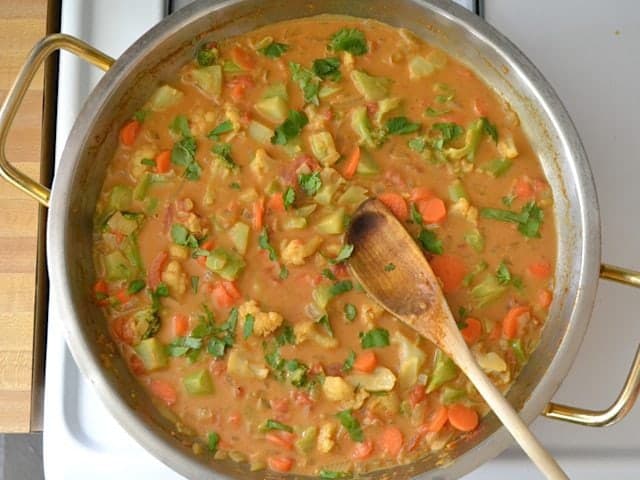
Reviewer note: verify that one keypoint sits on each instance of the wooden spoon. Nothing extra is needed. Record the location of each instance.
(411, 292)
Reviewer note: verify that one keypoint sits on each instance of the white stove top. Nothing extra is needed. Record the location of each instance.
(588, 51)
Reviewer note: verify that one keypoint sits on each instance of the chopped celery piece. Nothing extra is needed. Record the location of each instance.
(276, 90)
(321, 296)
(132, 252)
(385, 106)
(471, 142)
(457, 191)
(209, 79)
(119, 223)
(239, 234)
(497, 167)
(362, 127)
(452, 395)
(306, 440)
(198, 383)
(333, 223)
(443, 371)
(323, 148)
(142, 187)
(294, 223)
(367, 165)
(475, 239)
(328, 90)
(117, 266)
(518, 349)
(165, 97)
(411, 358)
(273, 108)
(380, 380)
(487, 291)
(231, 67)
(354, 195)
(259, 132)
(226, 263)
(370, 87)
(306, 210)
(120, 198)
(152, 353)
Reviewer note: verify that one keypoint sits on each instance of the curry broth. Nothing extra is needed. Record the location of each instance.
(234, 404)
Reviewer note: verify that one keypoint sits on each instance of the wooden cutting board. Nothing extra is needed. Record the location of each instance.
(22, 23)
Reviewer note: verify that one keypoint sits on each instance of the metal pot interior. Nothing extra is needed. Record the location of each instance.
(157, 55)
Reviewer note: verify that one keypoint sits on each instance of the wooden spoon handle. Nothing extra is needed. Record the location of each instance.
(509, 418)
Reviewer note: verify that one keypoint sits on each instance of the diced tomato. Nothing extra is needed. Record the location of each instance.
(180, 325)
(164, 391)
(221, 296)
(480, 106)
(281, 439)
(163, 161)
(545, 297)
(420, 193)
(280, 464)
(280, 405)
(243, 58)
(302, 398)
(234, 419)
(362, 450)
(523, 189)
(239, 86)
(122, 296)
(123, 330)
(154, 275)
(417, 394)
(136, 365)
(129, 132)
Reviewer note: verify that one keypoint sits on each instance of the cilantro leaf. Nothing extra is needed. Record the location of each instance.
(182, 236)
(431, 112)
(351, 424)
(430, 241)
(310, 182)
(289, 197)
(224, 127)
(340, 287)
(529, 219)
(263, 243)
(326, 273)
(212, 442)
(347, 366)
(416, 216)
(141, 115)
(378, 337)
(348, 40)
(503, 274)
(308, 82)
(448, 130)
(389, 267)
(490, 129)
(247, 329)
(327, 68)
(401, 126)
(418, 144)
(326, 324)
(290, 128)
(271, 424)
(344, 253)
(333, 474)
(274, 50)
(135, 286)
(350, 311)
(285, 336)
(180, 126)
(206, 56)
(223, 151)
(184, 154)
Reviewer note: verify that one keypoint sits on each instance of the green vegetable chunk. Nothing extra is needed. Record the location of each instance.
(333, 223)
(445, 369)
(225, 263)
(198, 383)
(471, 142)
(370, 87)
(306, 440)
(152, 353)
(351, 424)
(378, 337)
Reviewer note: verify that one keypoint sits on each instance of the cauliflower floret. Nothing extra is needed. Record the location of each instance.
(138, 168)
(260, 163)
(179, 252)
(464, 209)
(191, 220)
(175, 278)
(369, 313)
(356, 402)
(239, 366)
(326, 437)
(233, 115)
(295, 251)
(264, 323)
(507, 147)
(336, 389)
(307, 330)
(491, 362)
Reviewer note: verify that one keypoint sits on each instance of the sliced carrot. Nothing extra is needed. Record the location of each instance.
(242, 58)
(279, 463)
(450, 269)
(522, 189)
(462, 417)
(366, 362)
(164, 391)
(231, 289)
(420, 193)
(433, 210)
(511, 322)
(472, 331)
(417, 394)
(391, 441)
(101, 288)
(437, 420)
(163, 161)
(281, 439)
(276, 202)
(396, 203)
(180, 324)
(208, 245)
(154, 275)
(541, 269)
(362, 450)
(258, 214)
(122, 296)
(351, 165)
(545, 298)
(221, 296)
(129, 132)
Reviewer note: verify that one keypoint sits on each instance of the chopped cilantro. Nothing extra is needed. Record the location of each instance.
(308, 82)
(418, 144)
(180, 126)
(271, 424)
(529, 219)
(448, 130)
(284, 273)
(348, 40)
(333, 474)
(503, 274)
(135, 286)
(326, 324)
(274, 50)
(327, 68)
(290, 128)
(430, 241)
(289, 197)
(344, 253)
(347, 366)
(310, 182)
(206, 56)
(326, 273)
(184, 155)
(148, 161)
(350, 311)
(351, 424)
(263, 243)
(401, 126)
(389, 267)
(162, 290)
(285, 335)
(431, 112)
(415, 215)
(184, 346)
(212, 442)
(224, 127)
(223, 150)
(490, 129)
(340, 287)
(195, 281)
(141, 115)
(508, 200)
(234, 186)
(378, 337)
(247, 330)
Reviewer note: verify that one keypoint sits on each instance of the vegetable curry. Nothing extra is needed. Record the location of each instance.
(220, 255)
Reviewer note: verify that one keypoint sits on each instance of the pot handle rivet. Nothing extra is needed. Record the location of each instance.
(39, 53)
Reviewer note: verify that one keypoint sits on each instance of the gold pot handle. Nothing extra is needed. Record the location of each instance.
(41, 50)
(631, 388)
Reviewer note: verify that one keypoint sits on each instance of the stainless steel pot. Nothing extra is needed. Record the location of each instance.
(156, 55)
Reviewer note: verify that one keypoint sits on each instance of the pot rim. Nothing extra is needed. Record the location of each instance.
(547, 100)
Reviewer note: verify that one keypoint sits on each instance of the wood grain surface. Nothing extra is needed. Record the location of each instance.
(22, 23)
